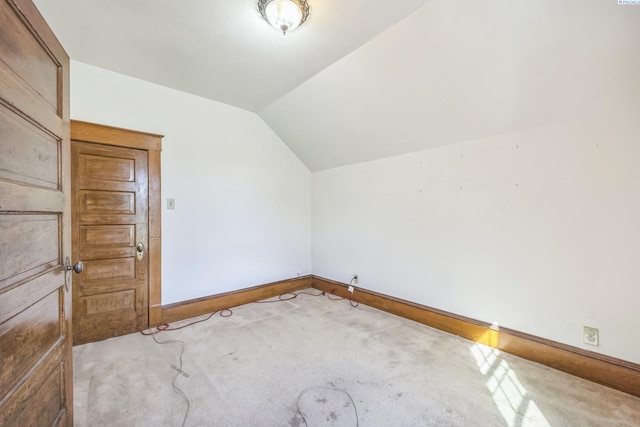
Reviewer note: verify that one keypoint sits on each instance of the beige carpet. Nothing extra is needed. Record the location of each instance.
(251, 368)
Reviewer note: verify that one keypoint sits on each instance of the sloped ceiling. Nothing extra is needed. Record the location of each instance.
(218, 49)
(459, 70)
(364, 80)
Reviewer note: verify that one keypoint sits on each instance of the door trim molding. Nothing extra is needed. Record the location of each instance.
(152, 143)
(109, 135)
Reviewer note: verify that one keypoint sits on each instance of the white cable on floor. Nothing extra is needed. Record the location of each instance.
(175, 377)
(355, 409)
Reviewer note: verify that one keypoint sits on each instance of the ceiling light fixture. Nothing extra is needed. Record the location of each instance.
(285, 15)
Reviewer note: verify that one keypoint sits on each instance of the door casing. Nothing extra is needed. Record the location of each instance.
(152, 144)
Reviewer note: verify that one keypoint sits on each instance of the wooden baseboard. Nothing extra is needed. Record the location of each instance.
(196, 307)
(609, 371)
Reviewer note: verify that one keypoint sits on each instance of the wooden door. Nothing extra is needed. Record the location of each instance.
(110, 233)
(36, 377)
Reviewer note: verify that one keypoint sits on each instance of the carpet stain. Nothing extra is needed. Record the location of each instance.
(323, 400)
(296, 422)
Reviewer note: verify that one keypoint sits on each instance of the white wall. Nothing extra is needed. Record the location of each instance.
(243, 200)
(537, 230)
(532, 218)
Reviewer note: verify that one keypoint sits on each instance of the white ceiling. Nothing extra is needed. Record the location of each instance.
(218, 49)
(461, 70)
(368, 79)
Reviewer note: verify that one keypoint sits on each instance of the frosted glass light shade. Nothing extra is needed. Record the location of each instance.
(285, 15)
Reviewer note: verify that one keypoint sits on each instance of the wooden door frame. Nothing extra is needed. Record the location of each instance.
(152, 144)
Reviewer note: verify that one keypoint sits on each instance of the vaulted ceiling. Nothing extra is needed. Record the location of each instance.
(218, 49)
(367, 79)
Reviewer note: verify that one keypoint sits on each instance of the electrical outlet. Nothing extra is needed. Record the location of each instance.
(350, 289)
(590, 335)
(355, 279)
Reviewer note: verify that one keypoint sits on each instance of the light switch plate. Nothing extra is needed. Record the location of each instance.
(171, 203)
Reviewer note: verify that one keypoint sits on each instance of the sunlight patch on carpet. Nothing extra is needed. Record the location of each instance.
(507, 391)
